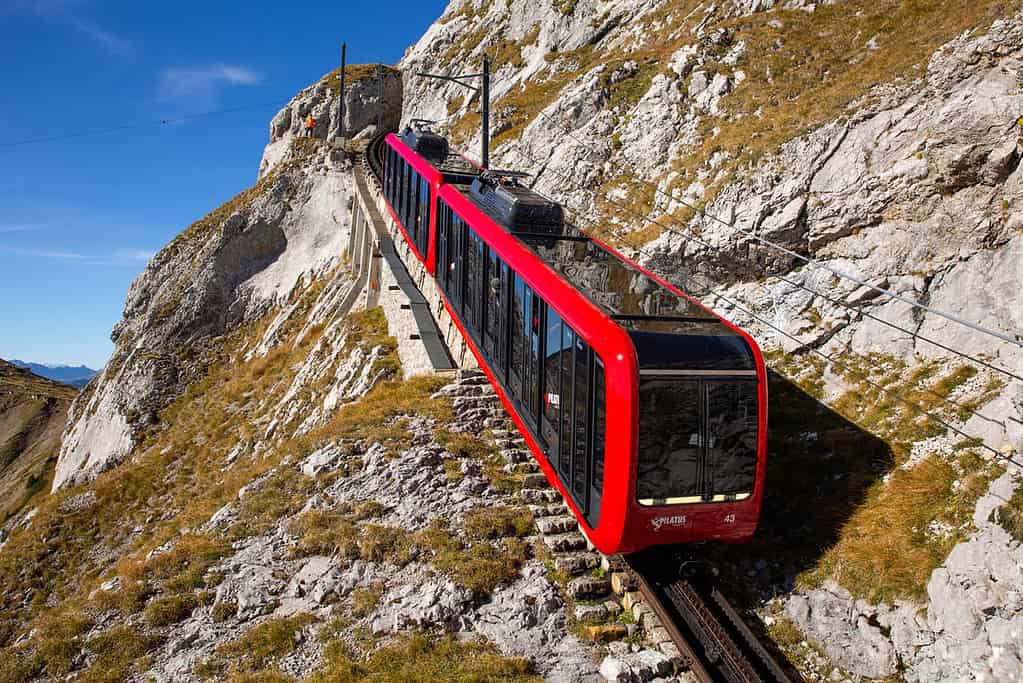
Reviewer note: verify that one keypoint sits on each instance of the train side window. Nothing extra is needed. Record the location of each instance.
(567, 403)
(502, 310)
(413, 205)
(535, 372)
(424, 215)
(599, 436)
(393, 165)
(581, 421)
(550, 426)
(399, 200)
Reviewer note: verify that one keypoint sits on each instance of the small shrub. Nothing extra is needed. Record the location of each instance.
(365, 599)
(280, 495)
(479, 567)
(58, 639)
(224, 610)
(368, 509)
(1010, 515)
(119, 651)
(324, 532)
(378, 543)
(170, 609)
(497, 522)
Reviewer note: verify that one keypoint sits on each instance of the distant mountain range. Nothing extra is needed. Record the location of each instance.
(75, 376)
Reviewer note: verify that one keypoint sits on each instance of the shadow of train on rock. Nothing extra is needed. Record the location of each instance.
(820, 469)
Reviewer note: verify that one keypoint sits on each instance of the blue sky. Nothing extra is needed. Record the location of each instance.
(80, 217)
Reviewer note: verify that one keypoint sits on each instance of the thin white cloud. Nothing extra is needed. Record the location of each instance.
(7, 229)
(202, 85)
(69, 12)
(113, 43)
(44, 253)
(119, 257)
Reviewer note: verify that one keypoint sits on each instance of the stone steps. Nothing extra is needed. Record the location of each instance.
(589, 587)
(535, 481)
(577, 563)
(540, 497)
(521, 468)
(556, 525)
(569, 542)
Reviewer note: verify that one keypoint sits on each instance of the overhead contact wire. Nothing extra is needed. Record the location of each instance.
(865, 379)
(1015, 339)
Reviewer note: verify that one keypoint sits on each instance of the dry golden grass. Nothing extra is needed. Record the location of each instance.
(257, 651)
(481, 566)
(886, 550)
(178, 470)
(420, 658)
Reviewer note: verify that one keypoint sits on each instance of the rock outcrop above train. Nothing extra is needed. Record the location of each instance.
(225, 270)
(373, 97)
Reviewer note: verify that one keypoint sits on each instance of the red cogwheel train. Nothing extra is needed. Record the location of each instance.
(645, 409)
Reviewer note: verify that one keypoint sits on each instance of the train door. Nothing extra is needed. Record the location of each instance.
(495, 311)
(567, 406)
(580, 421)
(441, 266)
(531, 364)
(550, 421)
(517, 359)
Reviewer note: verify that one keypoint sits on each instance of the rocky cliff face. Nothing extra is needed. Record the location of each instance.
(228, 269)
(285, 503)
(33, 411)
(726, 144)
(253, 489)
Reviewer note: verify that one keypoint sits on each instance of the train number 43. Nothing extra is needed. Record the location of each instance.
(730, 519)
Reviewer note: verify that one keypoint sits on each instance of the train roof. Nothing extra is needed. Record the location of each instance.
(669, 331)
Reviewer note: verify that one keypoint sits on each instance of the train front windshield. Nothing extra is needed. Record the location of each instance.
(697, 439)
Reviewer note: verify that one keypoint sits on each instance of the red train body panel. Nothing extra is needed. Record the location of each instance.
(624, 524)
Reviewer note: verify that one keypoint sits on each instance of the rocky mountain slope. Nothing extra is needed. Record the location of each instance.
(253, 490)
(33, 411)
(75, 376)
(756, 153)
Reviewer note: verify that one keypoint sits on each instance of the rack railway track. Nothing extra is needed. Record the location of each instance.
(716, 642)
